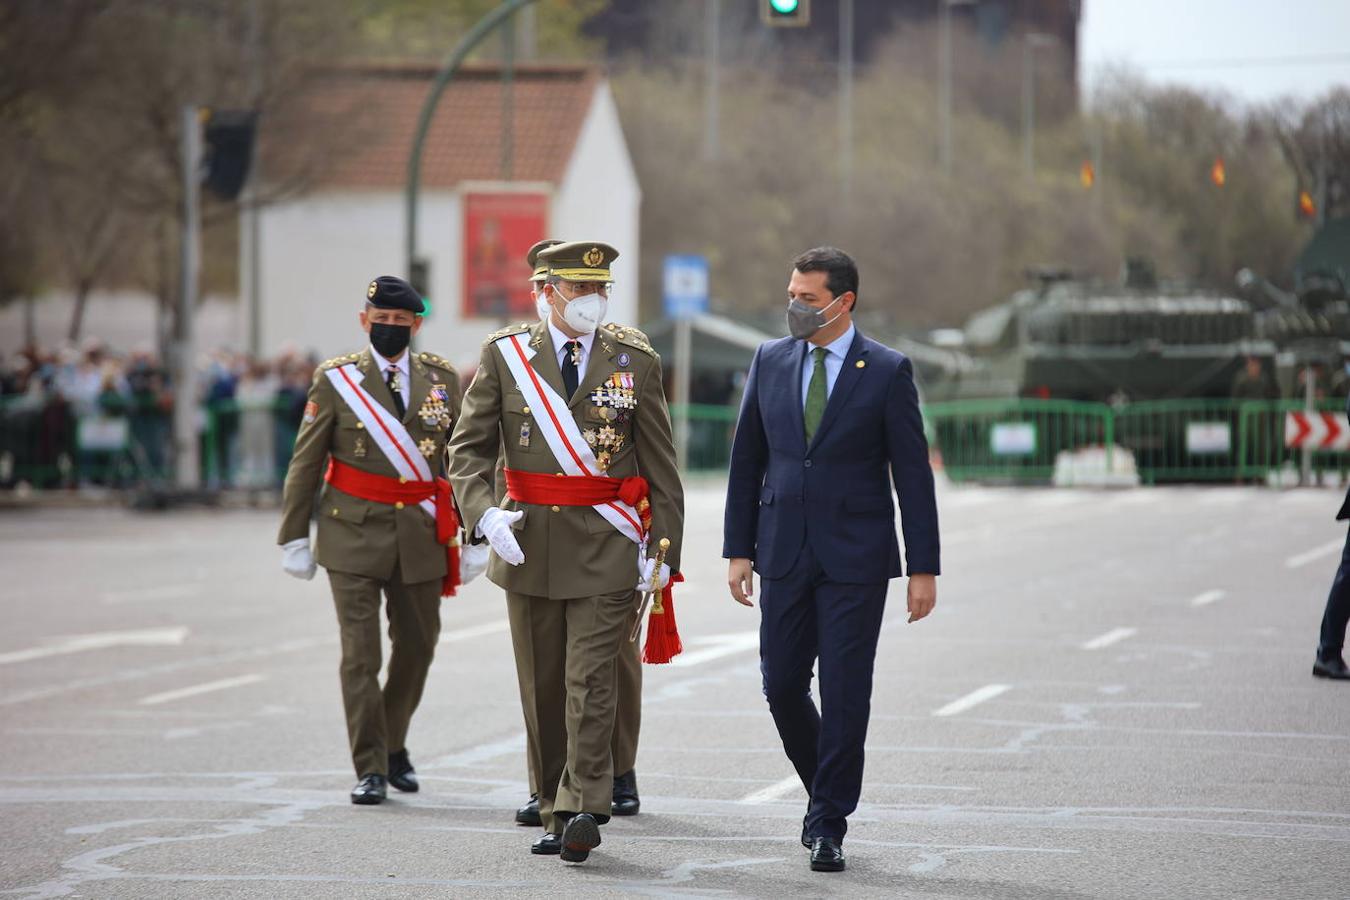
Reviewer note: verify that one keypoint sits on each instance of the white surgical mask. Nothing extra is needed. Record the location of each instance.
(541, 304)
(584, 314)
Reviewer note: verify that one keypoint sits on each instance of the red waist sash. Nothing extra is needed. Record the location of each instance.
(579, 490)
(391, 491)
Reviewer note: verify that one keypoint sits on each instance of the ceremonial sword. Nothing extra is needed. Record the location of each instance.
(654, 593)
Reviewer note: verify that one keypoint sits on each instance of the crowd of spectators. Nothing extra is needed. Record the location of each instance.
(89, 415)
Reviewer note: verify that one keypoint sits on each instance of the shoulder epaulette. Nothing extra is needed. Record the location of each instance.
(509, 329)
(432, 359)
(633, 337)
(339, 361)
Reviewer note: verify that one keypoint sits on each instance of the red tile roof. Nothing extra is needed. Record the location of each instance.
(379, 105)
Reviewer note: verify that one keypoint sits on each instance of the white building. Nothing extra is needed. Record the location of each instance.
(567, 160)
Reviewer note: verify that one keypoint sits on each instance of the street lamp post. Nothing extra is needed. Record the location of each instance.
(945, 80)
(1034, 41)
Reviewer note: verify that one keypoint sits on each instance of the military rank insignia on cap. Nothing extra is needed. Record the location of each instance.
(580, 260)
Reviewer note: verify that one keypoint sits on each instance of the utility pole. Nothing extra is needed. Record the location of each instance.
(1034, 41)
(712, 11)
(187, 465)
(846, 104)
(249, 202)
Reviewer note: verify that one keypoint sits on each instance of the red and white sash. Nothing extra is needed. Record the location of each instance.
(556, 423)
(389, 434)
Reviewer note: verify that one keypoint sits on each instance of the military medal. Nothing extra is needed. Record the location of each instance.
(311, 411)
(525, 434)
(427, 447)
(589, 436)
(359, 451)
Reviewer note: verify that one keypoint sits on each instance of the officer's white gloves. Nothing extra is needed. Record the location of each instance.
(296, 560)
(645, 571)
(495, 525)
(473, 561)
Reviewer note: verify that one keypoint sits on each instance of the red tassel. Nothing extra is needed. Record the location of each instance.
(450, 583)
(663, 638)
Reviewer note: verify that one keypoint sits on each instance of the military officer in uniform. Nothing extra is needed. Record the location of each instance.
(580, 413)
(374, 434)
(628, 717)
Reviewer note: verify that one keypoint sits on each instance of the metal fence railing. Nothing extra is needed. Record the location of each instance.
(1014, 440)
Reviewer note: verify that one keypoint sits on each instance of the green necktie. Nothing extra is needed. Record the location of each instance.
(815, 394)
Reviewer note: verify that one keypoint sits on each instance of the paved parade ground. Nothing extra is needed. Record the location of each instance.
(1112, 699)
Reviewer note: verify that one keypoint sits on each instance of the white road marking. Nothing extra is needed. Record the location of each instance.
(209, 687)
(159, 592)
(466, 634)
(974, 698)
(1302, 559)
(1114, 636)
(146, 637)
(773, 791)
(723, 645)
(1208, 597)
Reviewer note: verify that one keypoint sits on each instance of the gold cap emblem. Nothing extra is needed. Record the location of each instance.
(593, 257)
(370, 291)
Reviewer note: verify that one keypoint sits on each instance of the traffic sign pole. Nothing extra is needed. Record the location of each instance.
(686, 296)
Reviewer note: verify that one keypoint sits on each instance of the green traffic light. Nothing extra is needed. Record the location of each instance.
(785, 7)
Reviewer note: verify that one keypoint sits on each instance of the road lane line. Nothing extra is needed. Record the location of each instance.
(1114, 636)
(1208, 597)
(723, 645)
(467, 634)
(1302, 559)
(147, 637)
(773, 792)
(974, 698)
(209, 687)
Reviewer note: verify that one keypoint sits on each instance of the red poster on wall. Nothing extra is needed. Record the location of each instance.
(499, 228)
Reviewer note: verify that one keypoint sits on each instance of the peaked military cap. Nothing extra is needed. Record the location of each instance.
(580, 260)
(392, 292)
(532, 257)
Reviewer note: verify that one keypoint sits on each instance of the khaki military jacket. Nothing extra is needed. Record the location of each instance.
(570, 551)
(361, 536)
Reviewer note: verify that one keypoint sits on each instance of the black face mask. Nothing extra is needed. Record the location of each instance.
(389, 340)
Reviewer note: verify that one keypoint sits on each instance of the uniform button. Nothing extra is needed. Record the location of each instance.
(557, 509)
(398, 505)
(335, 512)
(807, 464)
(360, 424)
(561, 475)
(402, 480)
(526, 410)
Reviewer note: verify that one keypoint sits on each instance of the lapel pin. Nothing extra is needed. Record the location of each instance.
(861, 364)
(624, 359)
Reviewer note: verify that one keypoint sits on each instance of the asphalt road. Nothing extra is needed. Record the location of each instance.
(1113, 699)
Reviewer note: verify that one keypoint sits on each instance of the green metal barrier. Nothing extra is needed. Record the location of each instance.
(1014, 440)
(711, 428)
(1262, 450)
(1186, 440)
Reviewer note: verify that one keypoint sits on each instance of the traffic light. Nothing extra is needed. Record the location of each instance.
(1218, 173)
(228, 150)
(1087, 174)
(1307, 207)
(785, 13)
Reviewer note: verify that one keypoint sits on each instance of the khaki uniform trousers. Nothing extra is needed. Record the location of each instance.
(377, 720)
(566, 660)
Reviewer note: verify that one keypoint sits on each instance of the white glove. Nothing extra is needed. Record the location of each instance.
(495, 525)
(645, 567)
(296, 560)
(473, 561)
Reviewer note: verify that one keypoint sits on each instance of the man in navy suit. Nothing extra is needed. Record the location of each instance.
(829, 422)
(1330, 663)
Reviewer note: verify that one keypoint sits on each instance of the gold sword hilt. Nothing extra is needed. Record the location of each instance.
(652, 597)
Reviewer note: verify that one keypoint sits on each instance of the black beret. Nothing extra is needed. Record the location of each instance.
(392, 292)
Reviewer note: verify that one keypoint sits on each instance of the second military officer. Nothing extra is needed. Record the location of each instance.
(580, 413)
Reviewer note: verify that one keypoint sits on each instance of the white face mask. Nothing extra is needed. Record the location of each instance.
(584, 314)
(541, 304)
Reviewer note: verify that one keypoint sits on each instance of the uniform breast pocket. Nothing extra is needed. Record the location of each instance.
(518, 428)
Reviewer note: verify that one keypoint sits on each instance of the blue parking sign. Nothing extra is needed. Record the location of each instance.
(685, 286)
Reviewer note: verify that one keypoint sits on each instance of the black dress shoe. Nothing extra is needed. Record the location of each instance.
(827, 855)
(580, 837)
(548, 845)
(370, 790)
(626, 802)
(1331, 668)
(402, 775)
(529, 813)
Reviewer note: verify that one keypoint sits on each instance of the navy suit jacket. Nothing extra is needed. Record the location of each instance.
(834, 495)
(1345, 504)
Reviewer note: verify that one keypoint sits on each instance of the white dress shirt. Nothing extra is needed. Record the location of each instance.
(837, 350)
(401, 365)
(560, 339)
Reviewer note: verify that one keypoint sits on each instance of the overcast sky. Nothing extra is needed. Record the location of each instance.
(1256, 50)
